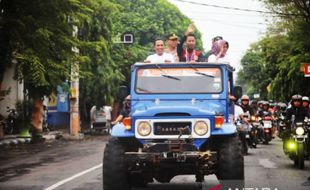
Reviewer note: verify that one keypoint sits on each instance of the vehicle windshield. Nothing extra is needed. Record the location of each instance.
(178, 80)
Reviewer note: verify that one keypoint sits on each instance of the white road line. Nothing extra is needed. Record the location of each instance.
(266, 163)
(72, 177)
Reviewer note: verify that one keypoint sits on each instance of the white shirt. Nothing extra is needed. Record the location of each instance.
(238, 112)
(225, 59)
(155, 58)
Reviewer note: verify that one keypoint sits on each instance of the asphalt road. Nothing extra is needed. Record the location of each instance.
(76, 165)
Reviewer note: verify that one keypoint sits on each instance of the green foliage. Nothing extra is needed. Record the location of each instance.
(37, 37)
(146, 20)
(276, 59)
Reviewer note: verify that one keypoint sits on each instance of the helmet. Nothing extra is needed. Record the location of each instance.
(245, 97)
(305, 98)
(254, 102)
(296, 97)
(282, 106)
(265, 103)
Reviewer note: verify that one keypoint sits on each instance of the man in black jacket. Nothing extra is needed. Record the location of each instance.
(299, 113)
(297, 109)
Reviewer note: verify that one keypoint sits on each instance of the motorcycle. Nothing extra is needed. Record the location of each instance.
(267, 128)
(244, 136)
(254, 131)
(10, 122)
(247, 134)
(297, 145)
(281, 126)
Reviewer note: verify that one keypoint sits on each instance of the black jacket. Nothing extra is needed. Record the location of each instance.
(247, 109)
(299, 112)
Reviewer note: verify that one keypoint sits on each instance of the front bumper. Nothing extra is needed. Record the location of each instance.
(171, 152)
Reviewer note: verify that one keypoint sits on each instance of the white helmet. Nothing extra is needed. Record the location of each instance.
(245, 97)
(305, 98)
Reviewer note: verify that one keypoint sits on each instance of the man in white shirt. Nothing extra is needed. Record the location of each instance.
(238, 113)
(160, 56)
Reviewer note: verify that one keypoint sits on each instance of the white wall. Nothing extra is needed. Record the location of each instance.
(16, 92)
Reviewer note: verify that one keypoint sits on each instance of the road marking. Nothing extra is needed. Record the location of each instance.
(266, 163)
(72, 177)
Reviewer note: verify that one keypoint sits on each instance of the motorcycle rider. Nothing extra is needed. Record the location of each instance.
(245, 105)
(265, 109)
(254, 106)
(305, 104)
(260, 106)
(298, 111)
(263, 112)
(248, 112)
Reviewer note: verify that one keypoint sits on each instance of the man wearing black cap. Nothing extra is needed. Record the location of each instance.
(172, 43)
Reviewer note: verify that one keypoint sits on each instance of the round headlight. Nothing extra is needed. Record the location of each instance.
(300, 131)
(201, 128)
(144, 128)
(253, 118)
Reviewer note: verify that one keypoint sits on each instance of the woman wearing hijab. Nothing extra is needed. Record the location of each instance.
(219, 52)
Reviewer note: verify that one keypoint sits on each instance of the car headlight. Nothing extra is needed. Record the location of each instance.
(300, 131)
(144, 128)
(201, 128)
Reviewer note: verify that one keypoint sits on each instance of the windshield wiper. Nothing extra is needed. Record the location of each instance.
(204, 74)
(200, 73)
(170, 77)
(143, 90)
(166, 75)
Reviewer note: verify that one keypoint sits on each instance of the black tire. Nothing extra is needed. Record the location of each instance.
(300, 156)
(231, 163)
(115, 170)
(245, 148)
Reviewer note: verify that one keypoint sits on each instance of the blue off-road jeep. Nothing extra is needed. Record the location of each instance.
(181, 123)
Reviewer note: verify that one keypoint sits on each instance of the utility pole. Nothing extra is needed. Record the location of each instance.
(74, 99)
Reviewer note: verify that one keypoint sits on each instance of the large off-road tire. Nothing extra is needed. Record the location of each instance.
(231, 163)
(115, 170)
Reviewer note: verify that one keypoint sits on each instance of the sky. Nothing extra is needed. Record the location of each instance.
(239, 28)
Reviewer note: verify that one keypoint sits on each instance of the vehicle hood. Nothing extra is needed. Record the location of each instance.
(178, 107)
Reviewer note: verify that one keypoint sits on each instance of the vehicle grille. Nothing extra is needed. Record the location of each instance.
(168, 128)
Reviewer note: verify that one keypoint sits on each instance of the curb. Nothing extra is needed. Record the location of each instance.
(79, 136)
(14, 141)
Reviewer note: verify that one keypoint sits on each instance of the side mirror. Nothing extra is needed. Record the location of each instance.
(122, 92)
(238, 92)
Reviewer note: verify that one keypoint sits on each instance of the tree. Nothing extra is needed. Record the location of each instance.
(146, 20)
(37, 36)
(280, 54)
